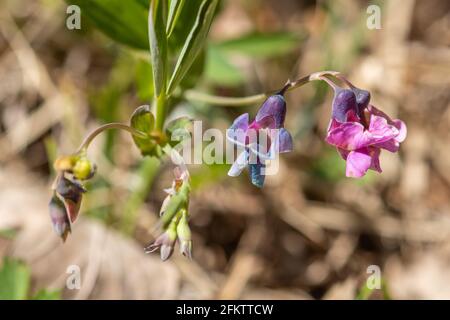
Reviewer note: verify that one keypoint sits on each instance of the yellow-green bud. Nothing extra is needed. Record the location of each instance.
(83, 169)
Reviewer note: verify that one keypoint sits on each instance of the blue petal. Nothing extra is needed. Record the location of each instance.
(256, 175)
(285, 141)
(239, 164)
(237, 132)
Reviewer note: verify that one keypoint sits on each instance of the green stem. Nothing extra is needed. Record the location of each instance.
(193, 95)
(161, 110)
(114, 125)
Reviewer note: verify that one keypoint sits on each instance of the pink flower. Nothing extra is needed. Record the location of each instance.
(359, 139)
(359, 130)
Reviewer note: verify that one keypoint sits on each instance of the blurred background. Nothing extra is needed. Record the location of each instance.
(310, 233)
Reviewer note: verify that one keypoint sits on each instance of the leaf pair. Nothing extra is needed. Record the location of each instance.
(158, 38)
(143, 120)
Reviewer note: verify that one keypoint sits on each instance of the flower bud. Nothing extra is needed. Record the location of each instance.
(59, 218)
(83, 169)
(344, 100)
(71, 193)
(184, 235)
(65, 163)
(165, 242)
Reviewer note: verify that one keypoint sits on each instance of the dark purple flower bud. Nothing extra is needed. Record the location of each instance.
(71, 192)
(59, 217)
(274, 107)
(344, 100)
(362, 97)
(362, 100)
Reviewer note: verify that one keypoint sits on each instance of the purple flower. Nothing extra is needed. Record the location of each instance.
(359, 131)
(261, 139)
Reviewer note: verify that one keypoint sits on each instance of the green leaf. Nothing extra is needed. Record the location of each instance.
(220, 70)
(158, 43)
(14, 280)
(174, 13)
(185, 22)
(261, 45)
(123, 21)
(194, 42)
(144, 80)
(191, 79)
(44, 294)
(143, 120)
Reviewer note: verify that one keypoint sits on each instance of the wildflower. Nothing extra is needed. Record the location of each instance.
(261, 140)
(359, 131)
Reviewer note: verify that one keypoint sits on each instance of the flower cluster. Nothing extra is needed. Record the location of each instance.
(175, 215)
(357, 129)
(68, 191)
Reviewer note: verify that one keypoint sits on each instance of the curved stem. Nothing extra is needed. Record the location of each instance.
(223, 101)
(113, 125)
(249, 100)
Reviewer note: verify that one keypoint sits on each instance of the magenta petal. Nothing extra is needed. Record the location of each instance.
(401, 126)
(358, 162)
(349, 136)
(380, 129)
(390, 145)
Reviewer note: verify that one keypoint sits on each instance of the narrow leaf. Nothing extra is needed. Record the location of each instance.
(193, 43)
(220, 70)
(123, 21)
(158, 43)
(174, 12)
(261, 45)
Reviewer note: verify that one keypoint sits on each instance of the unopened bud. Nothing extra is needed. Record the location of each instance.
(165, 242)
(71, 193)
(83, 169)
(59, 218)
(344, 100)
(184, 235)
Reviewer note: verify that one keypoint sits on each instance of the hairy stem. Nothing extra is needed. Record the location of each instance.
(193, 95)
(114, 125)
